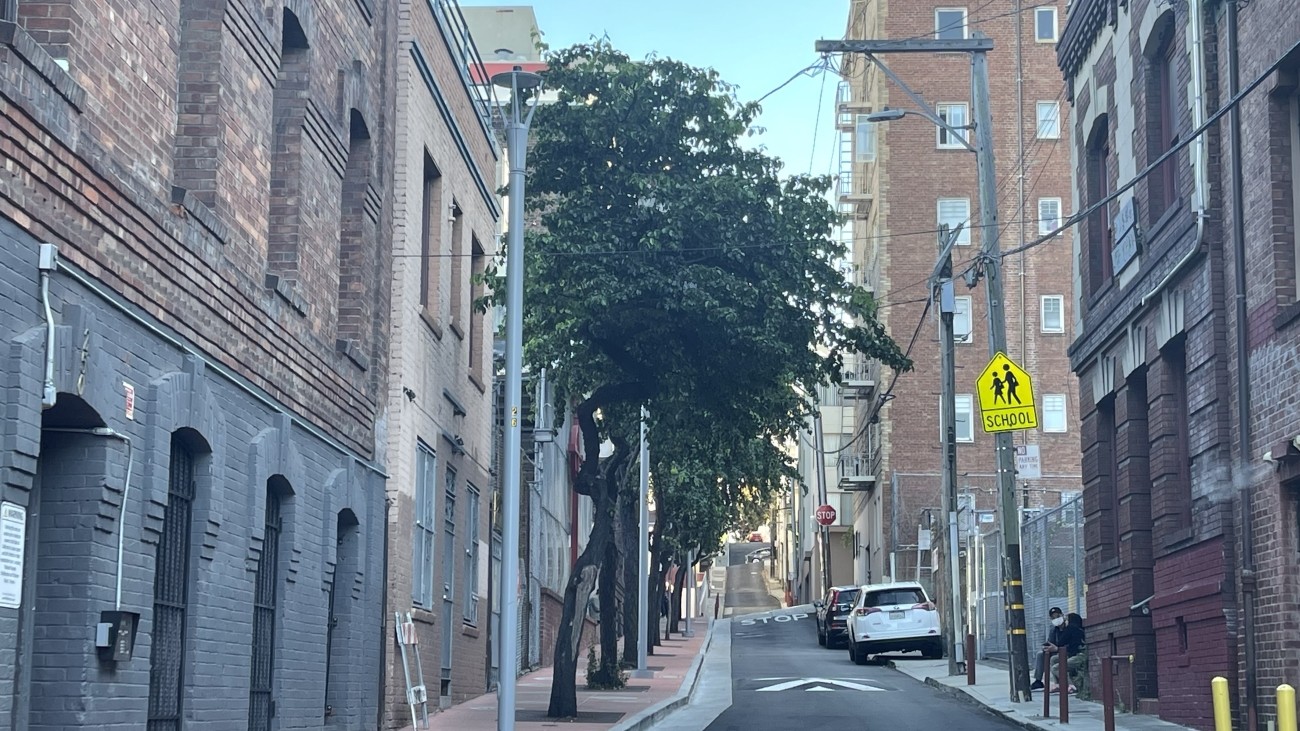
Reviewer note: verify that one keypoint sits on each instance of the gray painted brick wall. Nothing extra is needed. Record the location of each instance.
(50, 675)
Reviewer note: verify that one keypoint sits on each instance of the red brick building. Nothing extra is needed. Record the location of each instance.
(899, 181)
(1192, 516)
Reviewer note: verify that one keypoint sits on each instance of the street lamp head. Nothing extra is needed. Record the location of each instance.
(517, 78)
(886, 115)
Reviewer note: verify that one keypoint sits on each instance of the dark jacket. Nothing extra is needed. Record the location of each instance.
(1071, 638)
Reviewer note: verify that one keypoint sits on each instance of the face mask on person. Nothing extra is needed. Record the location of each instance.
(1057, 621)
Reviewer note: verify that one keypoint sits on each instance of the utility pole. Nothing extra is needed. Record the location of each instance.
(950, 580)
(990, 258)
(823, 532)
(643, 561)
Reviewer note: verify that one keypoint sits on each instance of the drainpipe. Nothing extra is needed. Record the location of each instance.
(49, 261)
(1243, 377)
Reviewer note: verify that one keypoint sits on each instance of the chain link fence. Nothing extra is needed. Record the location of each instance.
(1051, 550)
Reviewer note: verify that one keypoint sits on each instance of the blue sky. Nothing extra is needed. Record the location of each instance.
(754, 44)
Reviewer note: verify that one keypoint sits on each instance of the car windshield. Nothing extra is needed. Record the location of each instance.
(848, 596)
(890, 597)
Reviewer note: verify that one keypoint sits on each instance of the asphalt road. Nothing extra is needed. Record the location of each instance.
(781, 679)
(746, 586)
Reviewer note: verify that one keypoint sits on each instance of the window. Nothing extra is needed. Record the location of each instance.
(1162, 105)
(1053, 412)
(955, 115)
(471, 557)
(950, 24)
(1049, 120)
(357, 263)
(961, 320)
(170, 595)
(1049, 215)
(953, 211)
(1175, 356)
(1052, 313)
(426, 478)
(1045, 25)
(458, 273)
(866, 140)
(430, 233)
(1100, 268)
(478, 265)
(261, 685)
(965, 418)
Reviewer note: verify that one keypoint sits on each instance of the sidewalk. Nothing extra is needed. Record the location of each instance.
(639, 705)
(992, 690)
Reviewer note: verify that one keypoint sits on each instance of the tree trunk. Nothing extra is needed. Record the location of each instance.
(629, 514)
(568, 641)
(609, 674)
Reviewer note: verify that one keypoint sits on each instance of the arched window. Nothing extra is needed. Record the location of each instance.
(261, 686)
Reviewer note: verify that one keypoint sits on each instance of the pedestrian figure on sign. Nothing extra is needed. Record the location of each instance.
(1012, 383)
(997, 390)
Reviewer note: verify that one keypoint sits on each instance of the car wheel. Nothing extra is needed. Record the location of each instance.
(821, 639)
(860, 656)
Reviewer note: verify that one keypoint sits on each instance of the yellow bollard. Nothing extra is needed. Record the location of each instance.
(1222, 711)
(1285, 708)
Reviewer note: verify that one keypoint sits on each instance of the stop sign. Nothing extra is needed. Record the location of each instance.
(825, 515)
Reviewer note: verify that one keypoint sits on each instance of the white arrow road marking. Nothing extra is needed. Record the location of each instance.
(818, 687)
(819, 681)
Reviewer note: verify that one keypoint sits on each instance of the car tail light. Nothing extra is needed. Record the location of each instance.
(864, 611)
(927, 606)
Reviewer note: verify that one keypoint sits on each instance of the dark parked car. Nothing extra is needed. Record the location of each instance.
(832, 614)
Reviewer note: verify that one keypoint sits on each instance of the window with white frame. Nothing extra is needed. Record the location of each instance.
(1054, 412)
(961, 320)
(950, 24)
(1049, 120)
(472, 558)
(1045, 25)
(965, 417)
(953, 211)
(956, 114)
(1053, 313)
(426, 480)
(1049, 215)
(866, 140)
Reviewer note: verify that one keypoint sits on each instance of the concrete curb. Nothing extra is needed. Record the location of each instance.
(658, 712)
(960, 693)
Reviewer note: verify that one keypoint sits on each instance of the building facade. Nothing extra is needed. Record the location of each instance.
(440, 398)
(899, 183)
(194, 247)
(1186, 345)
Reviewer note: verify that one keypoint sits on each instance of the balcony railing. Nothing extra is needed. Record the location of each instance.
(858, 379)
(856, 472)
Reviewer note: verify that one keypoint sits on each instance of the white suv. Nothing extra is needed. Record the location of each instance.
(894, 617)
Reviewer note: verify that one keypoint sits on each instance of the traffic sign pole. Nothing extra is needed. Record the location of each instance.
(824, 533)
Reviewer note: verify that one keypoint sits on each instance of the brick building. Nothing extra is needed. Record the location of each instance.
(900, 181)
(440, 398)
(1188, 513)
(191, 391)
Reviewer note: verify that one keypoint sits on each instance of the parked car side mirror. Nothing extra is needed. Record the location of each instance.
(819, 604)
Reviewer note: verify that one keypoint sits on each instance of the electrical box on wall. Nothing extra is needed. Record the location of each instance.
(115, 635)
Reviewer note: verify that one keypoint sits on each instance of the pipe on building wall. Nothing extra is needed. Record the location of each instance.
(49, 393)
(1243, 377)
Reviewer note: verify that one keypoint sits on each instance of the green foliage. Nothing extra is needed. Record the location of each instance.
(603, 676)
(671, 267)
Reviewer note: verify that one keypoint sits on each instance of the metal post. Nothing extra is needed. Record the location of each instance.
(951, 579)
(823, 532)
(1108, 694)
(643, 565)
(690, 591)
(992, 260)
(1063, 683)
(517, 146)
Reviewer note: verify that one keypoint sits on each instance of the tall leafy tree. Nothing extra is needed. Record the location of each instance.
(670, 266)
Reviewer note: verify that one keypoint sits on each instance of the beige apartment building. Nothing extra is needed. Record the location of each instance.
(898, 182)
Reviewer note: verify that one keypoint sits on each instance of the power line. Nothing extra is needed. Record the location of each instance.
(1153, 165)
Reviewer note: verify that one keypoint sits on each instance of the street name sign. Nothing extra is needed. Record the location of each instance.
(1006, 397)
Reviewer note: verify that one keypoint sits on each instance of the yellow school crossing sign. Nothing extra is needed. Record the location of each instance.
(1006, 397)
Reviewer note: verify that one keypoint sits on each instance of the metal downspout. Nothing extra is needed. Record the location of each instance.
(1243, 378)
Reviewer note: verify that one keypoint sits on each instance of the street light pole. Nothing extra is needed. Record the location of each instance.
(516, 81)
(951, 578)
(643, 564)
(978, 46)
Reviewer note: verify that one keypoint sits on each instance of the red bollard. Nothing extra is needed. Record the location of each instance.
(1063, 678)
(970, 659)
(1108, 693)
(717, 601)
(1047, 690)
